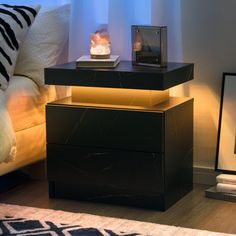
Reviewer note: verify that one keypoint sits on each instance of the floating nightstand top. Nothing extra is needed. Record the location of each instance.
(125, 75)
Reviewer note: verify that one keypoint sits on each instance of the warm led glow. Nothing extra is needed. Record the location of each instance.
(100, 45)
(138, 42)
(113, 97)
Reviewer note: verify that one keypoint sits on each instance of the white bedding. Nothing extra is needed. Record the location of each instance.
(7, 135)
(26, 101)
(22, 106)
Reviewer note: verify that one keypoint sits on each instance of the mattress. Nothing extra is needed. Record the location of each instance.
(26, 101)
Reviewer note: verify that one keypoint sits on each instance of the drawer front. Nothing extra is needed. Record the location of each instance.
(109, 128)
(119, 171)
(78, 192)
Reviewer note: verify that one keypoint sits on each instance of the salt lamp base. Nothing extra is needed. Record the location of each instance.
(93, 56)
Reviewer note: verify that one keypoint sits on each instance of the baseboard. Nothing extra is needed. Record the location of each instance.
(204, 175)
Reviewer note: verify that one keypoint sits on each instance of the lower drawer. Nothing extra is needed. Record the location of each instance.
(96, 194)
(117, 170)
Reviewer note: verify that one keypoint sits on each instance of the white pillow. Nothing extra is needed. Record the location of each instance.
(14, 24)
(44, 44)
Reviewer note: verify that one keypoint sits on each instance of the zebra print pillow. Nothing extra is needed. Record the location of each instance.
(14, 24)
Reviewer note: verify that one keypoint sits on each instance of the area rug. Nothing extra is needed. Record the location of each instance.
(25, 221)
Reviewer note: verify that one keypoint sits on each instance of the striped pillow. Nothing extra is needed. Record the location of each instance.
(14, 24)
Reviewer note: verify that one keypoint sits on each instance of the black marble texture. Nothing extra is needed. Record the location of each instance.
(125, 75)
(139, 158)
(106, 175)
(115, 169)
(110, 128)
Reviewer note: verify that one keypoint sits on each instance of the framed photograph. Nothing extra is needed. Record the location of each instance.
(149, 45)
(226, 146)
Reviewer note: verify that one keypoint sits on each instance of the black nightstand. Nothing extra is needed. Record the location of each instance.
(135, 154)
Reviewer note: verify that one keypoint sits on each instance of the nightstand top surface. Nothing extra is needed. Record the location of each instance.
(125, 75)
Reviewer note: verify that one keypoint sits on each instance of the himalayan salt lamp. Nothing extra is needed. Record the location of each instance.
(100, 47)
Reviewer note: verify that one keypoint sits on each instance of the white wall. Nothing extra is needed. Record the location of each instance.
(205, 34)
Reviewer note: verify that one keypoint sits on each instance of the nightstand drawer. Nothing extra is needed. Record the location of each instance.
(108, 128)
(120, 171)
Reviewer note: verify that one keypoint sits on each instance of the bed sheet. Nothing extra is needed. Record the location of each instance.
(22, 107)
(7, 135)
(26, 101)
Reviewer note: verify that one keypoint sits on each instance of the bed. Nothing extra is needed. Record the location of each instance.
(22, 103)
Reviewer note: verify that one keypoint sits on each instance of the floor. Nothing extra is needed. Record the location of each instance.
(193, 211)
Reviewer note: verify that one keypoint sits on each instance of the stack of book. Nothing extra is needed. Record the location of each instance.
(87, 61)
(226, 184)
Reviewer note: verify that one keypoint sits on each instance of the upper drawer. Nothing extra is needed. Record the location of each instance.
(109, 128)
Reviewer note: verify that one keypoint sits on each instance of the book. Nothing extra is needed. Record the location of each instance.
(212, 193)
(226, 179)
(87, 61)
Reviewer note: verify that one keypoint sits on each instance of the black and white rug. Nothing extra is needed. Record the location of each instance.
(10, 226)
(26, 221)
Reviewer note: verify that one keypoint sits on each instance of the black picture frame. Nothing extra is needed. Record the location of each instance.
(226, 141)
(149, 45)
